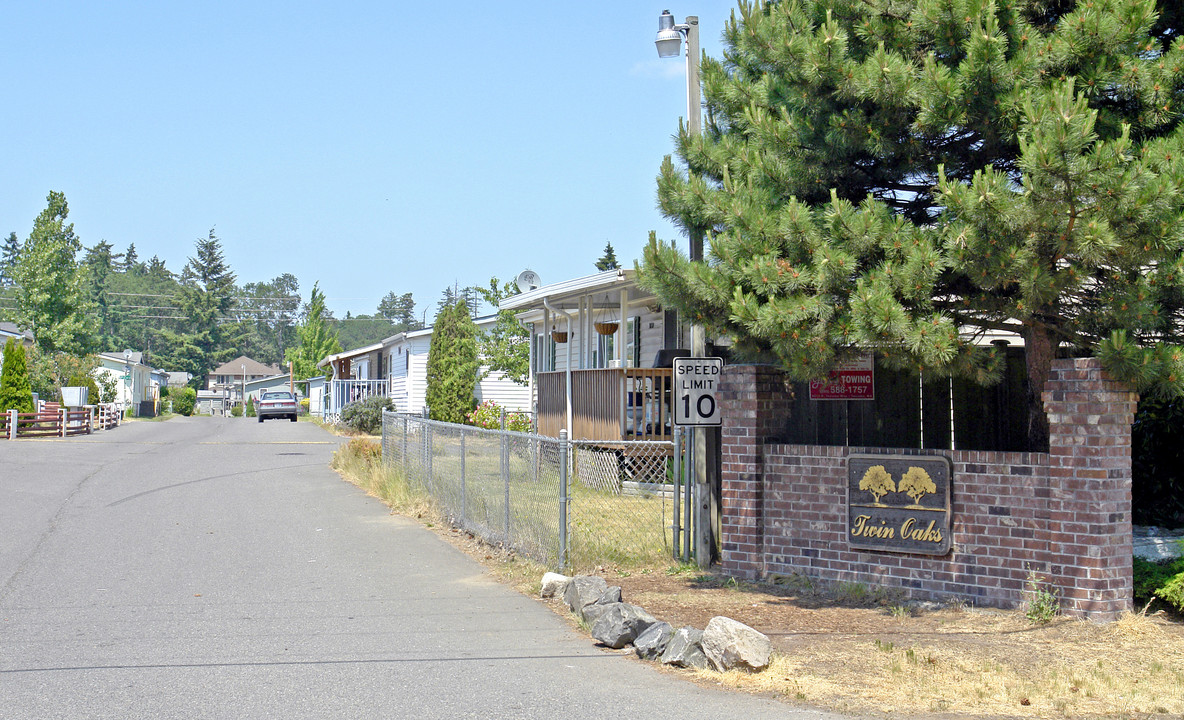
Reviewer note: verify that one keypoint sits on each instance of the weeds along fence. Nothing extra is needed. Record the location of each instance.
(569, 505)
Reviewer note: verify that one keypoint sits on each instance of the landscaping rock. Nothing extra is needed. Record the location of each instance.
(584, 590)
(730, 644)
(650, 644)
(610, 596)
(684, 649)
(593, 612)
(620, 623)
(554, 585)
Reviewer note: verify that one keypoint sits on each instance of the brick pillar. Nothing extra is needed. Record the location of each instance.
(1089, 554)
(754, 403)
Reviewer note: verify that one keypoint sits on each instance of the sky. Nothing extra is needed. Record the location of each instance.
(370, 147)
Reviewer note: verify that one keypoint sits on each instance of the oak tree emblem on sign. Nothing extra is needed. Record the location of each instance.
(878, 482)
(916, 483)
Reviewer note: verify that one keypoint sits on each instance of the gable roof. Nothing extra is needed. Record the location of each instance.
(253, 367)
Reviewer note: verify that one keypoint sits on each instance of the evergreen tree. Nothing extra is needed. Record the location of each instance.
(452, 365)
(99, 264)
(131, 260)
(15, 389)
(10, 252)
(400, 310)
(315, 339)
(908, 175)
(205, 298)
(608, 261)
(447, 299)
(52, 299)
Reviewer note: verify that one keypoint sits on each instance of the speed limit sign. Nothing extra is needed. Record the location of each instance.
(696, 384)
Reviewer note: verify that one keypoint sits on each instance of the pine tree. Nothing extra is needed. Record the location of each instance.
(205, 297)
(51, 298)
(10, 252)
(898, 175)
(315, 339)
(400, 310)
(452, 365)
(15, 388)
(608, 261)
(131, 260)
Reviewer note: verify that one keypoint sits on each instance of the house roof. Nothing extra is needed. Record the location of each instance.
(356, 352)
(568, 294)
(253, 367)
(11, 329)
(135, 357)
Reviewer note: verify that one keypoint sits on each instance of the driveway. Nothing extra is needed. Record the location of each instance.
(217, 568)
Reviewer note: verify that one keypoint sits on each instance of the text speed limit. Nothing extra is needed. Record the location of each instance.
(696, 384)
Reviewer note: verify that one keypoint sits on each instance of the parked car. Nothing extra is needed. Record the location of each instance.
(276, 403)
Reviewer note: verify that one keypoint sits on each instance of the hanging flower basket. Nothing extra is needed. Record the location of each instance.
(606, 328)
(559, 336)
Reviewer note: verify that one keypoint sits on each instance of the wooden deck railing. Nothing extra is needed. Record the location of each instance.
(607, 404)
(55, 421)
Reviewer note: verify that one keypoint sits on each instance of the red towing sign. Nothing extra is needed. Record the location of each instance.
(854, 380)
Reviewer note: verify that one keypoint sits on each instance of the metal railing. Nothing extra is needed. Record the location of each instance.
(339, 393)
(569, 505)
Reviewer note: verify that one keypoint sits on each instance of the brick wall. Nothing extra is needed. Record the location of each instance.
(1064, 514)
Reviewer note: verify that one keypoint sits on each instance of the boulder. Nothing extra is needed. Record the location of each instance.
(584, 590)
(620, 624)
(554, 585)
(650, 644)
(593, 612)
(611, 595)
(730, 644)
(683, 649)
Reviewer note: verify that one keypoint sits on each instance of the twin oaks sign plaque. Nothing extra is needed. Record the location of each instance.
(899, 503)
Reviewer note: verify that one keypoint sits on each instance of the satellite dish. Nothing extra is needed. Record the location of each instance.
(528, 280)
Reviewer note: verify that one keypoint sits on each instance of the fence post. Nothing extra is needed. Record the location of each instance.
(564, 559)
(464, 498)
(677, 489)
(64, 415)
(90, 419)
(404, 456)
(687, 500)
(427, 455)
(505, 463)
(12, 424)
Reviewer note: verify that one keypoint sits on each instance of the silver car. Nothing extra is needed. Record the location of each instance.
(276, 403)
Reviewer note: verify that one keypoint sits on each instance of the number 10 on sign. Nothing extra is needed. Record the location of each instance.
(696, 384)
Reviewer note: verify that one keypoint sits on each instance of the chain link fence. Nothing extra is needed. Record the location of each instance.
(568, 505)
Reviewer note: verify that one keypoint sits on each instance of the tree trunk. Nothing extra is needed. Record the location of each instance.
(1038, 355)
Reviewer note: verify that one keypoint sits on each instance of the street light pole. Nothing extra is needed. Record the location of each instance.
(669, 43)
(244, 390)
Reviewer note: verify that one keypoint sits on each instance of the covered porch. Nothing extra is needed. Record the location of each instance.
(601, 350)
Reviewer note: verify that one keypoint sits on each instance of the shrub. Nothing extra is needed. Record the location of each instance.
(488, 415)
(250, 407)
(304, 406)
(1163, 580)
(237, 411)
(365, 416)
(184, 401)
(15, 390)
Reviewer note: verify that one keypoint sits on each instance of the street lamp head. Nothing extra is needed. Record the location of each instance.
(669, 40)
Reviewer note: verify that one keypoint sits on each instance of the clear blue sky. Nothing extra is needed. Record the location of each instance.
(370, 147)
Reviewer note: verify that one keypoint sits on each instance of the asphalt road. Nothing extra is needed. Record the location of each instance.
(217, 568)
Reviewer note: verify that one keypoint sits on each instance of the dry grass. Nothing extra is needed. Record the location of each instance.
(853, 648)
